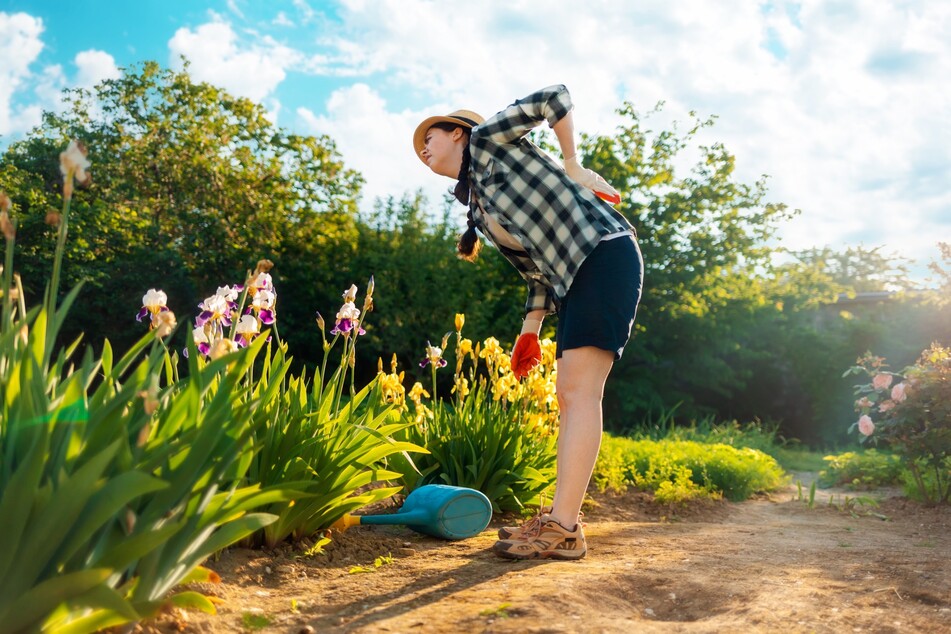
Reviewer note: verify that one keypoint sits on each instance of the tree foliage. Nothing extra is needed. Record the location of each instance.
(705, 240)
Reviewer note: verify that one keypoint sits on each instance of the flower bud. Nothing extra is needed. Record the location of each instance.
(129, 521)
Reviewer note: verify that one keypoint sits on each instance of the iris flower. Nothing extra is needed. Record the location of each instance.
(263, 305)
(246, 329)
(153, 303)
(164, 323)
(348, 317)
(201, 340)
(434, 356)
(215, 308)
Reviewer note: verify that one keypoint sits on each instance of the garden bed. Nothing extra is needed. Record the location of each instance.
(770, 563)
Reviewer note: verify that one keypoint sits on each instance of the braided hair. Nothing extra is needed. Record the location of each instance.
(469, 245)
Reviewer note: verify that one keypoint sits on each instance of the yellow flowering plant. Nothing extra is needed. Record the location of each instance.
(495, 434)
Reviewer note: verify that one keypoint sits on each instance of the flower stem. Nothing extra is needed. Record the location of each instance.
(60, 249)
(7, 285)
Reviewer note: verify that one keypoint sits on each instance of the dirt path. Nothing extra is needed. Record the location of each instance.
(766, 565)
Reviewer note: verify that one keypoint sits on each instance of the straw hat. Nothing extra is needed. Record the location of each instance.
(463, 118)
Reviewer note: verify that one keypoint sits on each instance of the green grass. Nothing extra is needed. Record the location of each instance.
(798, 458)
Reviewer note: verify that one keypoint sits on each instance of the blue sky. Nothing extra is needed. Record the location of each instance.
(843, 103)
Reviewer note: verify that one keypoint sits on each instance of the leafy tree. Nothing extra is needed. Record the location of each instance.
(942, 271)
(860, 270)
(705, 240)
(421, 284)
(192, 187)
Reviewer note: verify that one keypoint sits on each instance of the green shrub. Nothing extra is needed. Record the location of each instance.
(926, 483)
(758, 435)
(668, 465)
(115, 476)
(861, 470)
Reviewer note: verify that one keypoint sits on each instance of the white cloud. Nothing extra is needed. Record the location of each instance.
(305, 10)
(94, 67)
(281, 19)
(20, 46)
(218, 55)
(375, 141)
(844, 104)
(234, 8)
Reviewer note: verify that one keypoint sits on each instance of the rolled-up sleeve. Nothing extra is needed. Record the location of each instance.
(539, 298)
(549, 104)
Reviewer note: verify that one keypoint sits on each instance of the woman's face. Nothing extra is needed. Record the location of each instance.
(443, 151)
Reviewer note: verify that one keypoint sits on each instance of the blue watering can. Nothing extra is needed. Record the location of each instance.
(440, 510)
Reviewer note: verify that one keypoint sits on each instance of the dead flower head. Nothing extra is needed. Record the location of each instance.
(264, 266)
(222, 348)
(73, 164)
(6, 225)
(164, 323)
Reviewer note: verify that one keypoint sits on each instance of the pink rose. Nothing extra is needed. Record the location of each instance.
(886, 406)
(882, 381)
(898, 393)
(866, 426)
(863, 402)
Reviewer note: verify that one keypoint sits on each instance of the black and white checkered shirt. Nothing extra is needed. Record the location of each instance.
(557, 221)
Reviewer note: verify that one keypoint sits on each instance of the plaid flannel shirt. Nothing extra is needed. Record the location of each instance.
(556, 220)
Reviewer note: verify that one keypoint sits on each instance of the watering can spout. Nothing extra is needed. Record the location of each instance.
(346, 522)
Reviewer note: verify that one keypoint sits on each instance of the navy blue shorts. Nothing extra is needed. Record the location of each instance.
(601, 304)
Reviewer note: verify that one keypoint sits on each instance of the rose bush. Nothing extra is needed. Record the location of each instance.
(911, 412)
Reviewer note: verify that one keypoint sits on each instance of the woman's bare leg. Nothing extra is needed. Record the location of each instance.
(580, 388)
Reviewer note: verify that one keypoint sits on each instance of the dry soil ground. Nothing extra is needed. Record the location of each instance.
(772, 564)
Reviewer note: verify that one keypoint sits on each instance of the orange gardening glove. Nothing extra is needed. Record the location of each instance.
(526, 355)
(592, 180)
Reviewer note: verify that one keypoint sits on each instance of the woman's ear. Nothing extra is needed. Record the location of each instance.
(457, 134)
